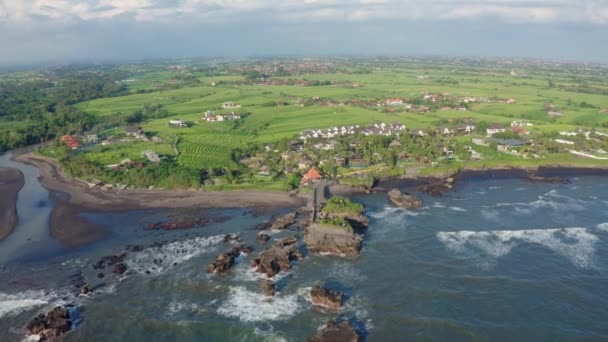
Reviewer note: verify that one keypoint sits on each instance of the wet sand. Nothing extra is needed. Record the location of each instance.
(11, 182)
(70, 228)
(94, 199)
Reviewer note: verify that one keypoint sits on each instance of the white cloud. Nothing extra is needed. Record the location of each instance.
(524, 11)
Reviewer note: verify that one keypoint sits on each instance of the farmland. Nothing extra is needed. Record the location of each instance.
(209, 145)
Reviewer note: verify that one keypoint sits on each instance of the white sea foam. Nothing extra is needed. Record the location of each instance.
(458, 209)
(438, 205)
(14, 304)
(576, 244)
(490, 214)
(156, 260)
(550, 200)
(269, 335)
(603, 226)
(249, 306)
(177, 306)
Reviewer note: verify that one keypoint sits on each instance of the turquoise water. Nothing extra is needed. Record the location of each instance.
(495, 260)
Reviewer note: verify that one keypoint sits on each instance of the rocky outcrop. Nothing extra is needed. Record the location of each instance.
(120, 268)
(278, 257)
(336, 332)
(225, 261)
(280, 222)
(335, 240)
(268, 287)
(109, 261)
(328, 299)
(284, 221)
(50, 326)
(437, 189)
(176, 223)
(262, 238)
(404, 200)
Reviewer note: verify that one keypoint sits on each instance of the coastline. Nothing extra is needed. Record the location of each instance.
(81, 195)
(11, 182)
(541, 173)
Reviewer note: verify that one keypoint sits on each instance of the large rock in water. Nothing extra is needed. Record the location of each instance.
(278, 257)
(334, 240)
(268, 287)
(336, 332)
(325, 298)
(52, 325)
(284, 221)
(225, 261)
(404, 200)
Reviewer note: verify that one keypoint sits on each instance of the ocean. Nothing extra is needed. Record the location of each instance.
(494, 260)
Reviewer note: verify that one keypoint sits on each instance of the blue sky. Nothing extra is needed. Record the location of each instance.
(34, 31)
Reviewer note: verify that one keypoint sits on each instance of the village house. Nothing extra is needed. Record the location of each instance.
(394, 102)
(70, 141)
(135, 131)
(264, 171)
(480, 142)
(305, 163)
(495, 128)
(445, 131)
(91, 138)
(508, 145)
(520, 130)
(177, 123)
(340, 161)
(230, 105)
(312, 176)
(521, 123)
(285, 156)
(465, 129)
(152, 156)
(564, 142)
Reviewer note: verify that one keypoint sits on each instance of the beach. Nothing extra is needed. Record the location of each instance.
(94, 199)
(11, 182)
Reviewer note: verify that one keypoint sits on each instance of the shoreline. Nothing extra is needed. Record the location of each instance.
(11, 183)
(538, 174)
(81, 195)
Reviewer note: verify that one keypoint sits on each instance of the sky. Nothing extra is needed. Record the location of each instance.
(39, 31)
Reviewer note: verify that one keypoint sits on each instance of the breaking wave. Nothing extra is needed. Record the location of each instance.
(14, 304)
(550, 200)
(156, 260)
(576, 244)
(249, 306)
(603, 226)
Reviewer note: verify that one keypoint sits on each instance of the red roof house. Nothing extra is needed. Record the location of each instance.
(70, 142)
(312, 175)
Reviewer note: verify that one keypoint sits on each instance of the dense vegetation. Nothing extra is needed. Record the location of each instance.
(37, 108)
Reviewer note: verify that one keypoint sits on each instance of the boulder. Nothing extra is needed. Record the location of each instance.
(267, 287)
(334, 240)
(262, 238)
(86, 289)
(225, 261)
(278, 257)
(120, 268)
(336, 332)
(52, 325)
(328, 299)
(109, 261)
(404, 200)
(284, 221)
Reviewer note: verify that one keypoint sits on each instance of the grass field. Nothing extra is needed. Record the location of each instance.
(205, 145)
